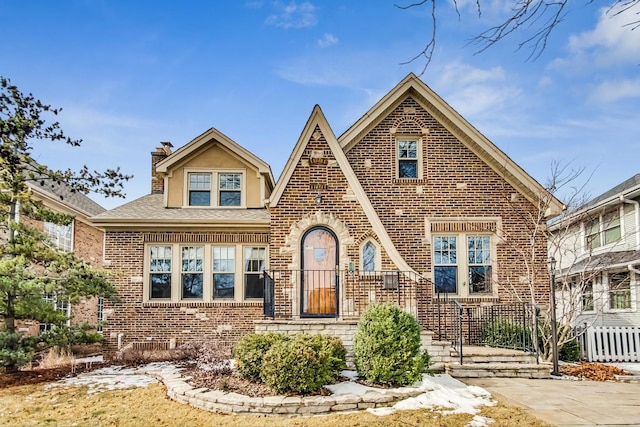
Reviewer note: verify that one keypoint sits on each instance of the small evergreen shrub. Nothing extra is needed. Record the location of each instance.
(250, 351)
(303, 364)
(570, 351)
(387, 346)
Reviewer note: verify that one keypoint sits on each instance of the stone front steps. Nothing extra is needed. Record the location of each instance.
(487, 362)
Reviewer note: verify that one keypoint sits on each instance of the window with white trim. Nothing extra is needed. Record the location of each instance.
(209, 272)
(199, 189)
(229, 189)
(192, 272)
(408, 158)
(604, 230)
(463, 264)
(100, 318)
(619, 290)
(254, 264)
(219, 188)
(60, 305)
(160, 272)
(60, 235)
(224, 267)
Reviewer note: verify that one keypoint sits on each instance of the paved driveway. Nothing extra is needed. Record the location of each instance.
(563, 402)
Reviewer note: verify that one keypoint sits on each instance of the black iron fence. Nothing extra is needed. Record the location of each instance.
(511, 325)
(344, 293)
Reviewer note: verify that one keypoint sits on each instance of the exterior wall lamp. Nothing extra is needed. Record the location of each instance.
(318, 199)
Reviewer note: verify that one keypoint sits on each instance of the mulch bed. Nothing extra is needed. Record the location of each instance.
(45, 375)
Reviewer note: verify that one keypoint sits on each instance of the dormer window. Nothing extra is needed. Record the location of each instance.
(199, 189)
(217, 188)
(230, 189)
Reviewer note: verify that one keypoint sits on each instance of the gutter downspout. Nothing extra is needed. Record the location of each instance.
(637, 216)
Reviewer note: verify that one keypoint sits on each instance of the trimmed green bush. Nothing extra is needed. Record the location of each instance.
(387, 346)
(303, 364)
(250, 351)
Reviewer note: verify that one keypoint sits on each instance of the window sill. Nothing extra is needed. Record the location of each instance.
(410, 181)
(176, 304)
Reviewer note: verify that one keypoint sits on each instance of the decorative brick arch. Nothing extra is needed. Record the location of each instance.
(327, 219)
(294, 240)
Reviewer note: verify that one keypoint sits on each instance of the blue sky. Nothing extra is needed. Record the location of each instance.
(129, 74)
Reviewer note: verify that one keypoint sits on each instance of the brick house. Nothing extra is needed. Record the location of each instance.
(80, 237)
(410, 202)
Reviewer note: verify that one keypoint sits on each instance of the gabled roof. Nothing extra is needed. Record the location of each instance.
(625, 188)
(449, 118)
(318, 119)
(60, 194)
(206, 137)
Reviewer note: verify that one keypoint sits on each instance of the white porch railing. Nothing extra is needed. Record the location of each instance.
(613, 343)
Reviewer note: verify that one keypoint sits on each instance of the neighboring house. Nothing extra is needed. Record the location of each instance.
(411, 202)
(80, 237)
(597, 248)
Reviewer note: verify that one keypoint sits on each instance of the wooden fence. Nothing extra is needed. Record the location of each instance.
(612, 344)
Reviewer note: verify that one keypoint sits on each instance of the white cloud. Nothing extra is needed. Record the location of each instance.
(611, 42)
(614, 90)
(327, 40)
(475, 91)
(293, 15)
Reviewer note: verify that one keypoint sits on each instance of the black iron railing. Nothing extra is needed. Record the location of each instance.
(269, 308)
(345, 293)
(511, 325)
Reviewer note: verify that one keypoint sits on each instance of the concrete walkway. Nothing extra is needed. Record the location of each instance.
(563, 402)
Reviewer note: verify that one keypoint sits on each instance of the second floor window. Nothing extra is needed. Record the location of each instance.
(603, 230)
(214, 189)
(60, 235)
(407, 159)
(199, 189)
(229, 189)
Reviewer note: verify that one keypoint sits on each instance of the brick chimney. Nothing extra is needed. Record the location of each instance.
(161, 153)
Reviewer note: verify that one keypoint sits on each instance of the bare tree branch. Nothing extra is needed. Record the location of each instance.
(537, 18)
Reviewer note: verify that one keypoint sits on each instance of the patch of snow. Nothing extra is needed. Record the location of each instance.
(92, 359)
(480, 421)
(445, 395)
(116, 377)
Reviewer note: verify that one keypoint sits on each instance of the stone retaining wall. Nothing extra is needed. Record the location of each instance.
(233, 403)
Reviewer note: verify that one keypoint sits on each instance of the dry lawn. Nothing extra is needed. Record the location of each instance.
(36, 405)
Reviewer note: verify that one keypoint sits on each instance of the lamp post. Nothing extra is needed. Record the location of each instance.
(554, 329)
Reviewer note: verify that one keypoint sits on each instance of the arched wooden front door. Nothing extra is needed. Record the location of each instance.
(319, 275)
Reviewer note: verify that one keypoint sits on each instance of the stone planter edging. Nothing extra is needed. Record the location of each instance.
(233, 403)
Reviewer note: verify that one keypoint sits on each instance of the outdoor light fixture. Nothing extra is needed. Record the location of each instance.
(318, 198)
(554, 327)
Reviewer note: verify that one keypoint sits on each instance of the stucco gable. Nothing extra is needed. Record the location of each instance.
(213, 135)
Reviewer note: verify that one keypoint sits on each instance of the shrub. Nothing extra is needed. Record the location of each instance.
(16, 350)
(570, 351)
(250, 351)
(387, 346)
(303, 364)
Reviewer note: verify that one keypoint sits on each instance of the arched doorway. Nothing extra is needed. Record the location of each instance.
(319, 281)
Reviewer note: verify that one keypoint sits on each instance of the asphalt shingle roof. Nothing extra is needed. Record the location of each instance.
(74, 200)
(151, 208)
